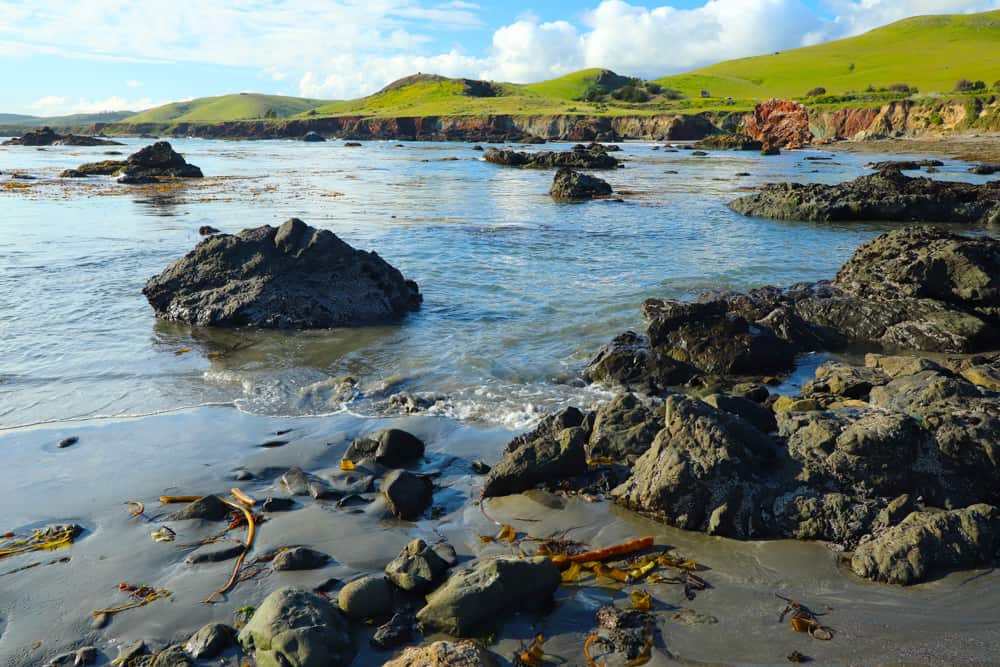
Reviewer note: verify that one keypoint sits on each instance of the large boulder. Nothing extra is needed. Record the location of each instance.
(391, 447)
(554, 450)
(292, 277)
(623, 428)
(486, 591)
(926, 543)
(702, 472)
(296, 628)
(888, 195)
(570, 185)
(627, 362)
(407, 495)
(585, 159)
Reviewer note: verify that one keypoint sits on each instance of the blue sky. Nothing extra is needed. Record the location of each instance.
(67, 56)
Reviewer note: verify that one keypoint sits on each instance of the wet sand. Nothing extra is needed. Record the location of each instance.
(972, 147)
(46, 610)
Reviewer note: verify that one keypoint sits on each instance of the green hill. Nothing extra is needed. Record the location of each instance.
(72, 120)
(929, 52)
(240, 106)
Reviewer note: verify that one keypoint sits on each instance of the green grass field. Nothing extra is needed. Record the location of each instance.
(240, 106)
(931, 53)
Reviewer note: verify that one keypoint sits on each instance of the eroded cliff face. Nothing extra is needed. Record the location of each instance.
(568, 127)
(908, 118)
(782, 123)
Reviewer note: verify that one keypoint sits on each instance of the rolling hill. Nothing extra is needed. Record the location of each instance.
(73, 120)
(238, 106)
(929, 52)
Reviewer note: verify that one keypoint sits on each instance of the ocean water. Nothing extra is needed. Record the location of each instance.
(518, 290)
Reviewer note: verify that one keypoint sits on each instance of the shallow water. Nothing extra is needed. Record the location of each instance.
(519, 290)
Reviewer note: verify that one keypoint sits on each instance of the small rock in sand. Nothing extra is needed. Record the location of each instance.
(299, 558)
(210, 641)
(392, 447)
(407, 494)
(68, 442)
(208, 508)
(277, 504)
(215, 555)
(396, 632)
(366, 598)
(452, 654)
(417, 568)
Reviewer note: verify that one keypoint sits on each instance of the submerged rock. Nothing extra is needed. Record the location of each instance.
(296, 628)
(486, 591)
(586, 159)
(926, 543)
(292, 277)
(903, 165)
(569, 185)
(887, 195)
(445, 654)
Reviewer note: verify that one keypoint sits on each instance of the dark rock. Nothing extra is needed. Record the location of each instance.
(392, 447)
(627, 362)
(68, 442)
(294, 627)
(300, 483)
(927, 543)
(806, 514)
(406, 494)
(887, 195)
(271, 504)
(543, 455)
(729, 142)
(550, 160)
(46, 136)
(480, 468)
(396, 632)
(210, 641)
(486, 591)
(477, 147)
(103, 168)
(903, 165)
(352, 144)
(208, 508)
(366, 598)
(72, 173)
(299, 558)
(313, 136)
(208, 230)
(707, 336)
(570, 185)
(417, 568)
(701, 471)
(699, 153)
(292, 277)
(985, 169)
(626, 632)
(446, 552)
(155, 162)
(760, 417)
(215, 555)
(770, 149)
(623, 428)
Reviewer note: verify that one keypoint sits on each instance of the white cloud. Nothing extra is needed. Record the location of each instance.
(54, 105)
(348, 48)
(132, 83)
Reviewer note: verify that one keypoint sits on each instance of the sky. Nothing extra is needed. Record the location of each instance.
(85, 56)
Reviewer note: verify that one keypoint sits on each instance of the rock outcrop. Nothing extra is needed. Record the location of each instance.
(46, 136)
(290, 277)
(585, 159)
(886, 196)
(729, 142)
(779, 123)
(570, 185)
(149, 165)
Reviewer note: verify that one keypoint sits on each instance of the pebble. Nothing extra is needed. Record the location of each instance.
(68, 442)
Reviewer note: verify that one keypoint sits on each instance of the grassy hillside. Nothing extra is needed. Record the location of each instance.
(929, 52)
(240, 106)
(73, 120)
